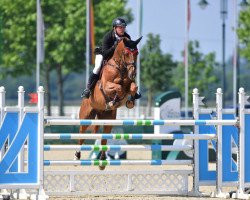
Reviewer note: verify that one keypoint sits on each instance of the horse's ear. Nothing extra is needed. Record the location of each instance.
(138, 40)
(125, 41)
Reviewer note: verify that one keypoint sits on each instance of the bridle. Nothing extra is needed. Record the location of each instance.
(121, 65)
(130, 52)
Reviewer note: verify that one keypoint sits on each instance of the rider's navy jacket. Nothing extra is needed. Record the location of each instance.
(108, 42)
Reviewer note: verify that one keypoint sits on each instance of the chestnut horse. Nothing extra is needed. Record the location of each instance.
(115, 89)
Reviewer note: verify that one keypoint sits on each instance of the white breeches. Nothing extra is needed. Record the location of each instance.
(98, 63)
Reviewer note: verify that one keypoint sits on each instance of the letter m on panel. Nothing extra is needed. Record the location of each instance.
(27, 134)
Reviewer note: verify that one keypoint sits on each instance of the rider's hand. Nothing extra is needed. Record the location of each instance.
(115, 43)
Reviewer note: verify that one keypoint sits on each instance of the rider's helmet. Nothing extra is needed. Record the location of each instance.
(119, 22)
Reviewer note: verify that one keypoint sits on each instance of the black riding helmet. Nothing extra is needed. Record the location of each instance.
(119, 22)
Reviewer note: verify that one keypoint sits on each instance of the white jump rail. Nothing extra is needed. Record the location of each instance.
(129, 136)
(73, 122)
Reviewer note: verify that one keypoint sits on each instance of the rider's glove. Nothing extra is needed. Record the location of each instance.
(115, 43)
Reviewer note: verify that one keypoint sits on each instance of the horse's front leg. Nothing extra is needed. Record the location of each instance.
(131, 100)
(86, 112)
(113, 88)
(106, 129)
(133, 89)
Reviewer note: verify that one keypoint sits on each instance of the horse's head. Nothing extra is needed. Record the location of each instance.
(127, 51)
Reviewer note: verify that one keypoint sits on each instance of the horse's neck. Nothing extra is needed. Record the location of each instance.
(116, 58)
(113, 62)
(117, 55)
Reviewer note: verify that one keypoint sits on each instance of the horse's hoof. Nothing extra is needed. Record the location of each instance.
(130, 104)
(101, 167)
(102, 157)
(77, 155)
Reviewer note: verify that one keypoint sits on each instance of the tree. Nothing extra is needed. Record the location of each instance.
(1, 41)
(244, 33)
(19, 37)
(65, 41)
(156, 68)
(200, 70)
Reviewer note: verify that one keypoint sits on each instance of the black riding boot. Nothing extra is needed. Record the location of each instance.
(91, 84)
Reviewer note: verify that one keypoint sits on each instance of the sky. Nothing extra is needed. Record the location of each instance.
(167, 18)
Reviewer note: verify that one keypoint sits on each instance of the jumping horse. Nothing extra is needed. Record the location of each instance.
(115, 88)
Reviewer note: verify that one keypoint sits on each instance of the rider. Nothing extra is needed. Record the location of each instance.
(109, 44)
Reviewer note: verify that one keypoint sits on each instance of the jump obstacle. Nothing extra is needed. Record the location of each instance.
(22, 130)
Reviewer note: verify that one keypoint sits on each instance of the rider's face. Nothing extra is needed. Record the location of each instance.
(120, 30)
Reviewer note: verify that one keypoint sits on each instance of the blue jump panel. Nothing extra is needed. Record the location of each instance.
(229, 136)
(28, 130)
(247, 148)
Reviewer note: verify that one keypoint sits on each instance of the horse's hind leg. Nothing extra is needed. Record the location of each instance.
(94, 154)
(82, 129)
(106, 129)
(86, 112)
